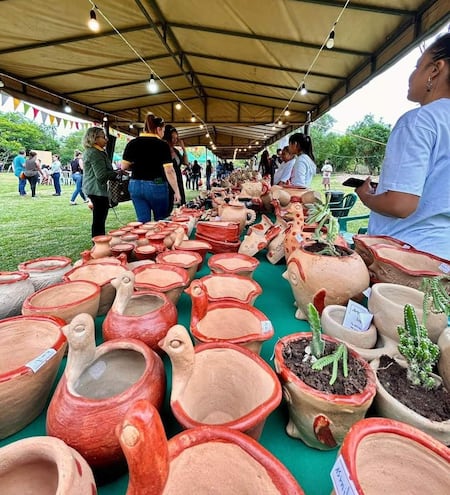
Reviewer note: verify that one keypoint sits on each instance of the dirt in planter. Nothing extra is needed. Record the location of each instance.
(319, 246)
(293, 353)
(433, 404)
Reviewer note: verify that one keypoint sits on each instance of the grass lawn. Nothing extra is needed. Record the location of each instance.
(50, 226)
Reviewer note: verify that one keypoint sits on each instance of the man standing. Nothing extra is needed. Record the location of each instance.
(326, 170)
(18, 167)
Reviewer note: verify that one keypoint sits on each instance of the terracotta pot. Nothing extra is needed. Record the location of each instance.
(218, 246)
(64, 300)
(221, 231)
(134, 225)
(15, 287)
(236, 264)
(156, 239)
(130, 238)
(275, 248)
(324, 280)
(373, 446)
(226, 286)
(44, 465)
(188, 260)
(101, 247)
(235, 211)
(147, 252)
(257, 238)
(387, 302)
(31, 350)
(236, 463)
(363, 243)
(227, 321)
(444, 357)
(115, 236)
(162, 277)
(97, 388)
(101, 274)
(199, 246)
(294, 234)
(86, 259)
(201, 396)
(143, 315)
(123, 248)
(319, 419)
(141, 239)
(46, 271)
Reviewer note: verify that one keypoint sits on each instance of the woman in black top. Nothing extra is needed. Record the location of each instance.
(148, 158)
(171, 137)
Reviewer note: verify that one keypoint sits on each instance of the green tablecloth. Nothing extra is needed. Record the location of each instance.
(310, 467)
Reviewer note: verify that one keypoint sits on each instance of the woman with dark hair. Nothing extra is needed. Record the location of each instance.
(171, 137)
(304, 167)
(148, 157)
(265, 167)
(412, 199)
(32, 171)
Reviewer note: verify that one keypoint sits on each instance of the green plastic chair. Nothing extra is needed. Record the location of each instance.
(347, 203)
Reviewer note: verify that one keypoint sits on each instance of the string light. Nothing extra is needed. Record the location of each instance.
(152, 86)
(330, 41)
(303, 90)
(67, 108)
(287, 112)
(280, 122)
(178, 106)
(131, 126)
(193, 119)
(105, 118)
(93, 23)
(207, 135)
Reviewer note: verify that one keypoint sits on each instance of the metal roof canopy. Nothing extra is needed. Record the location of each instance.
(235, 64)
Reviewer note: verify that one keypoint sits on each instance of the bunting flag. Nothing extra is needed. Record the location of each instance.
(5, 98)
(44, 116)
(16, 103)
(52, 119)
(58, 121)
(35, 112)
(26, 107)
(77, 125)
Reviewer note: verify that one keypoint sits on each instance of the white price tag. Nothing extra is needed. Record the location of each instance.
(37, 363)
(299, 237)
(266, 326)
(340, 477)
(444, 267)
(367, 292)
(357, 317)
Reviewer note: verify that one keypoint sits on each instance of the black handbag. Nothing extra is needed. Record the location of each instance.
(118, 190)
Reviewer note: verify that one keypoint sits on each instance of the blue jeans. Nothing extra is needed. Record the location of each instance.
(147, 197)
(57, 182)
(22, 184)
(78, 179)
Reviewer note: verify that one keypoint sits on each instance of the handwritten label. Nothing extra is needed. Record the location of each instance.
(357, 317)
(266, 326)
(97, 369)
(444, 267)
(37, 363)
(340, 477)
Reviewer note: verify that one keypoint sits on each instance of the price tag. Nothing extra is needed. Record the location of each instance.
(37, 363)
(299, 237)
(340, 477)
(367, 292)
(444, 267)
(357, 317)
(266, 326)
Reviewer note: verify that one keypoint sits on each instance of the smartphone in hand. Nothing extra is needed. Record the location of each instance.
(354, 182)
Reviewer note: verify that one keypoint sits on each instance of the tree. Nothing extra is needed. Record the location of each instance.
(70, 143)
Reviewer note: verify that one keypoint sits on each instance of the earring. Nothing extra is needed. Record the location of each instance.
(429, 85)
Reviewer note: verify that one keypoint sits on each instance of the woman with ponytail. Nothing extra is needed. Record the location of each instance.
(304, 167)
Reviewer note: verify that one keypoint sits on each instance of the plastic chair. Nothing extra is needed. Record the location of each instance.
(348, 236)
(348, 202)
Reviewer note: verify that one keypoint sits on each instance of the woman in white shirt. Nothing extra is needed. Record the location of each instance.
(304, 167)
(284, 171)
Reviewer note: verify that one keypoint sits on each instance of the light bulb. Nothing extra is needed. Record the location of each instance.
(152, 86)
(287, 112)
(178, 106)
(2, 84)
(201, 126)
(193, 119)
(303, 90)
(67, 108)
(330, 40)
(280, 122)
(257, 142)
(131, 126)
(207, 135)
(93, 23)
(105, 119)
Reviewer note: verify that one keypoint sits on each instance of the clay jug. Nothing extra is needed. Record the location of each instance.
(101, 246)
(235, 211)
(15, 287)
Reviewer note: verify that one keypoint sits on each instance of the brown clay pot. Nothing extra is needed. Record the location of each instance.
(15, 287)
(147, 252)
(188, 260)
(226, 286)
(97, 388)
(236, 211)
(46, 271)
(101, 247)
(31, 350)
(199, 246)
(218, 246)
(198, 395)
(363, 243)
(123, 248)
(220, 231)
(156, 239)
(234, 263)
(115, 236)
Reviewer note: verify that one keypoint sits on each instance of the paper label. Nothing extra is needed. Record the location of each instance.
(37, 363)
(97, 369)
(299, 237)
(266, 326)
(340, 477)
(357, 317)
(367, 292)
(444, 267)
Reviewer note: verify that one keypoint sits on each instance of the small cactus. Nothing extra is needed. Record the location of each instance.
(436, 299)
(317, 345)
(320, 212)
(340, 353)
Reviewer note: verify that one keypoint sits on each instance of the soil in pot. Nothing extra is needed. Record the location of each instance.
(293, 353)
(432, 404)
(319, 246)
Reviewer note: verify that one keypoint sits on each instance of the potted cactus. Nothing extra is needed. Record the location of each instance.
(327, 387)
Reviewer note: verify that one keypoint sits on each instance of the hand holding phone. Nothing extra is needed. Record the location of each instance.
(354, 182)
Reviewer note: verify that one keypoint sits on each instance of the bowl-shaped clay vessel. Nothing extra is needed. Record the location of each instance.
(121, 248)
(189, 260)
(234, 263)
(200, 247)
(162, 277)
(201, 393)
(64, 300)
(97, 388)
(31, 350)
(142, 315)
(373, 445)
(218, 246)
(101, 274)
(226, 286)
(220, 231)
(15, 287)
(363, 243)
(44, 466)
(146, 252)
(236, 464)
(46, 271)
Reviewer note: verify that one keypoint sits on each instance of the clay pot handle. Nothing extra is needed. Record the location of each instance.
(124, 286)
(251, 217)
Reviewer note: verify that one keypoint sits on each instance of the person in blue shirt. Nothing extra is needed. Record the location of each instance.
(18, 167)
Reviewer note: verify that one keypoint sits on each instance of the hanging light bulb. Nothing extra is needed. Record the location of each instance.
(256, 142)
(330, 40)
(92, 22)
(105, 118)
(207, 135)
(303, 90)
(67, 108)
(193, 119)
(201, 126)
(178, 106)
(287, 112)
(152, 86)
(131, 126)
(280, 122)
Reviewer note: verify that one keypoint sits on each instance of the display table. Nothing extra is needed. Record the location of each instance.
(310, 467)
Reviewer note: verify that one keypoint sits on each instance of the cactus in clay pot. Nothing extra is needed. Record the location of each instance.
(320, 213)
(436, 298)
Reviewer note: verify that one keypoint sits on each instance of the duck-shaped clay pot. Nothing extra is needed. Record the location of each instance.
(200, 460)
(219, 384)
(97, 388)
(143, 315)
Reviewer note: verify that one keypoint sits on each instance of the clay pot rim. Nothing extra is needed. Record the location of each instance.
(102, 238)
(193, 245)
(116, 232)
(134, 224)
(362, 239)
(281, 477)
(142, 293)
(373, 426)
(146, 249)
(255, 292)
(181, 272)
(66, 276)
(379, 287)
(95, 287)
(197, 259)
(121, 247)
(248, 420)
(26, 265)
(215, 259)
(15, 276)
(57, 345)
(287, 375)
(304, 247)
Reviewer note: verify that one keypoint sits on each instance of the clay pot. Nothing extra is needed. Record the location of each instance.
(294, 234)
(188, 260)
(235, 211)
(156, 239)
(44, 465)
(388, 406)
(234, 263)
(162, 277)
(97, 388)
(275, 248)
(101, 274)
(324, 280)
(130, 238)
(46, 271)
(101, 247)
(15, 287)
(227, 321)
(236, 463)
(31, 350)
(319, 419)
(387, 302)
(200, 247)
(86, 259)
(143, 315)
(141, 239)
(226, 286)
(147, 252)
(221, 231)
(134, 225)
(201, 395)
(116, 236)
(123, 248)
(444, 357)
(363, 243)
(397, 453)
(257, 238)
(218, 246)
(64, 300)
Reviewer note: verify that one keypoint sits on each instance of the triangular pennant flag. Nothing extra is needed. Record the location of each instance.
(16, 103)
(26, 107)
(35, 112)
(77, 125)
(66, 123)
(71, 124)
(52, 119)
(118, 135)
(58, 121)
(5, 98)
(44, 116)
